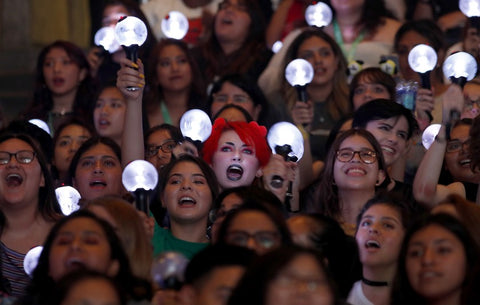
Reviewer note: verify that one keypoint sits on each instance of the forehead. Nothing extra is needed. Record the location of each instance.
(159, 136)
(252, 221)
(399, 122)
(15, 144)
(412, 38)
(111, 92)
(313, 42)
(460, 132)
(171, 50)
(73, 129)
(228, 87)
(355, 141)
(99, 149)
(383, 210)
(432, 232)
(81, 224)
(186, 167)
(230, 136)
(57, 52)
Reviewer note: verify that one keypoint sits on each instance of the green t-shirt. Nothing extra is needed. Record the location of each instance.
(163, 240)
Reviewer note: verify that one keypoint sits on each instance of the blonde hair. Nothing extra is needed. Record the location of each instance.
(131, 231)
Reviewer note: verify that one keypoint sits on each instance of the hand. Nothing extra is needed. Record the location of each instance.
(278, 174)
(302, 114)
(424, 103)
(131, 75)
(95, 59)
(148, 224)
(453, 101)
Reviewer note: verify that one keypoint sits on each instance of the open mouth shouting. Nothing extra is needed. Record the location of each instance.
(14, 180)
(234, 172)
(372, 244)
(187, 201)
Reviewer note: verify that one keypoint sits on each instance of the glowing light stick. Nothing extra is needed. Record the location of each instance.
(175, 25)
(196, 125)
(299, 73)
(318, 14)
(140, 178)
(168, 270)
(68, 198)
(105, 38)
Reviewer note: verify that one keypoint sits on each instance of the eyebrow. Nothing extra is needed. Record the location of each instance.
(382, 218)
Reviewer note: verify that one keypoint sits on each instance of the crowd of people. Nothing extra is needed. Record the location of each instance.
(368, 215)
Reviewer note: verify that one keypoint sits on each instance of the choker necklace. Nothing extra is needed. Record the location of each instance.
(374, 283)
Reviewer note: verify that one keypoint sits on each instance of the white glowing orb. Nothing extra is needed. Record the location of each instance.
(422, 58)
(31, 260)
(139, 174)
(68, 198)
(277, 46)
(175, 25)
(105, 37)
(299, 72)
(318, 15)
(429, 135)
(283, 133)
(460, 64)
(130, 31)
(196, 125)
(471, 8)
(41, 124)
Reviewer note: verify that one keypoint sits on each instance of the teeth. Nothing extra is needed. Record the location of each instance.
(465, 161)
(187, 200)
(388, 149)
(355, 170)
(93, 183)
(234, 172)
(372, 244)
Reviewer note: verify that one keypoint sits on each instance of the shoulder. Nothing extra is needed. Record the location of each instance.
(387, 29)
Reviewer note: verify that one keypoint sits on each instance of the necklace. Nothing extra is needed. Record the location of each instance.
(374, 283)
(338, 37)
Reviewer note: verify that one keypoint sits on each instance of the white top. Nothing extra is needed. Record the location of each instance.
(356, 296)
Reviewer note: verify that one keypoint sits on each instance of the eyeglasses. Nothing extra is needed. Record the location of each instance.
(22, 156)
(264, 239)
(236, 98)
(239, 7)
(166, 147)
(457, 145)
(367, 156)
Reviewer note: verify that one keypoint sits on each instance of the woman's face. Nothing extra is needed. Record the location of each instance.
(187, 195)
(367, 91)
(234, 162)
(112, 13)
(98, 173)
(174, 72)
(392, 135)
(159, 156)
(471, 108)
(457, 156)
(254, 230)
(379, 236)
(302, 281)
(231, 94)
(229, 203)
(232, 22)
(70, 139)
(81, 243)
(436, 263)
(92, 291)
(109, 113)
(405, 44)
(322, 58)
(301, 228)
(62, 75)
(345, 6)
(356, 174)
(19, 182)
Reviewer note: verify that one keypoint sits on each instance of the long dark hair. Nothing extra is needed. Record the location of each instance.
(48, 206)
(403, 292)
(326, 195)
(243, 58)
(40, 291)
(153, 92)
(253, 286)
(42, 98)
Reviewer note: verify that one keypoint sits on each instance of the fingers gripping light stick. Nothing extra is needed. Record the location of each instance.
(131, 33)
(140, 177)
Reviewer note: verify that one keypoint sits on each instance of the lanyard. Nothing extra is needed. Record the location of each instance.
(338, 37)
(166, 116)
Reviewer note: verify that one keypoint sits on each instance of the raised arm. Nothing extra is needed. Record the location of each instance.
(131, 75)
(426, 189)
